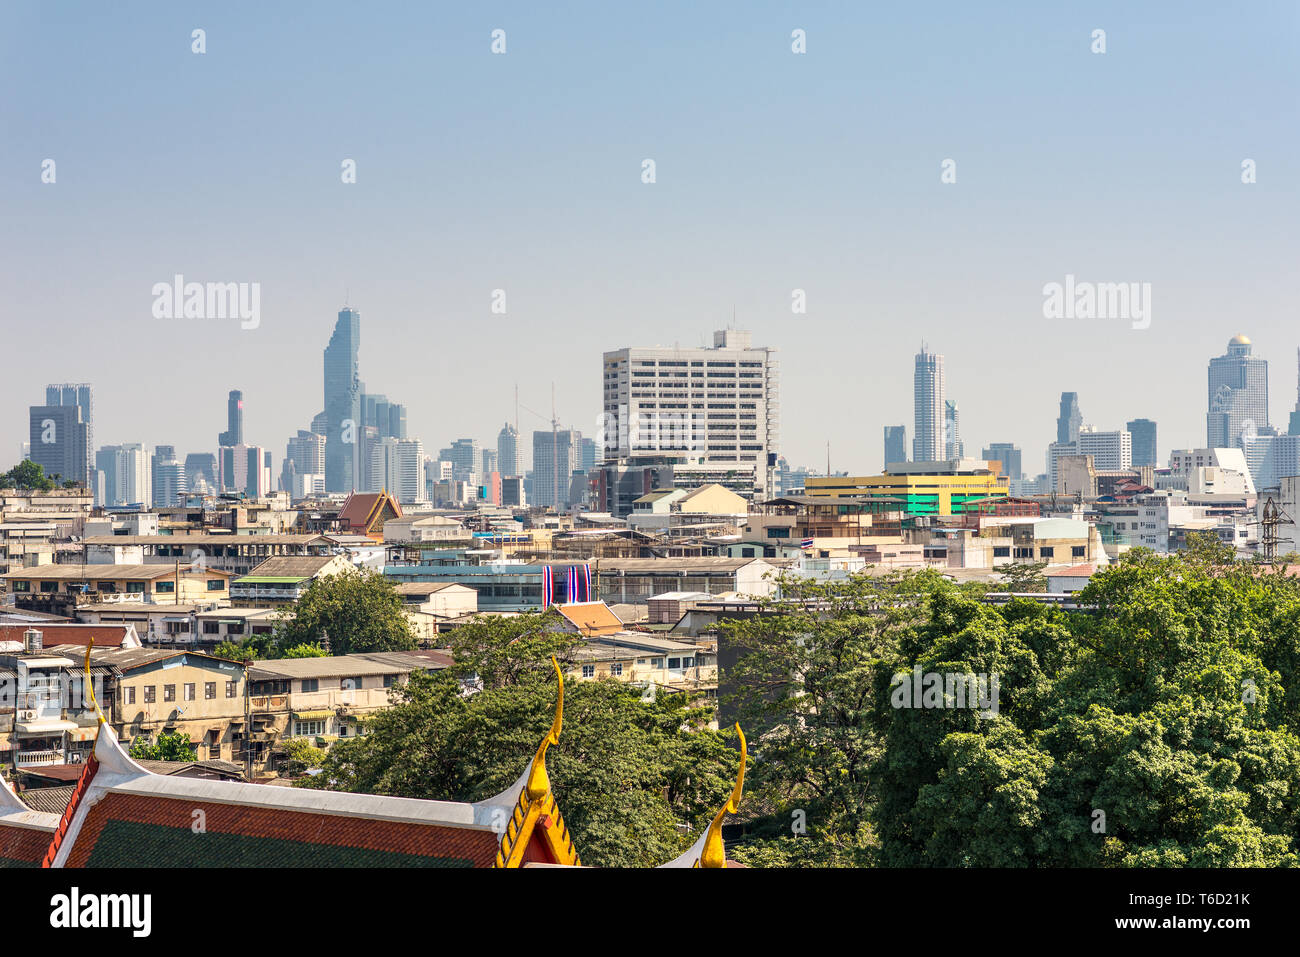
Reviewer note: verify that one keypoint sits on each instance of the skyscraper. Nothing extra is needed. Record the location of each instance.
(928, 407)
(343, 403)
(1070, 419)
(555, 456)
(895, 444)
(1237, 395)
(80, 395)
(508, 458)
(166, 477)
(1144, 442)
(1008, 454)
(953, 447)
(234, 434)
(58, 437)
(127, 474)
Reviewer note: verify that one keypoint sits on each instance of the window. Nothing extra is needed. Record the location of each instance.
(1078, 551)
(209, 689)
(150, 694)
(230, 689)
(688, 662)
(310, 684)
(212, 627)
(169, 692)
(589, 671)
(1046, 552)
(616, 668)
(308, 728)
(656, 662)
(130, 694)
(216, 584)
(22, 586)
(136, 588)
(165, 587)
(1001, 551)
(350, 684)
(189, 691)
(49, 586)
(674, 662)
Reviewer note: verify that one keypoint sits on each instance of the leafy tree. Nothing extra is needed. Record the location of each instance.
(356, 610)
(304, 651)
(27, 476)
(301, 755)
(1153, 728)
(169, 746)
(629, 774)
(1022, 577)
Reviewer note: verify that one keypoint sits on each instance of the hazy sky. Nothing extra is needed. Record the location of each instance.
(775, 172)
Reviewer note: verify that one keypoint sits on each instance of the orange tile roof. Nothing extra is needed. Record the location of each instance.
(591, 618)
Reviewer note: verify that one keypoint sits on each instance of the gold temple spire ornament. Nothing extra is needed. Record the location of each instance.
(89, 684)
(536, 812)
(713, 853)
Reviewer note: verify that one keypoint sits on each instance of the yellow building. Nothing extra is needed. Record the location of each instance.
(925, 488)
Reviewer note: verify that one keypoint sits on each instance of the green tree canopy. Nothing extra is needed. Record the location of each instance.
(353, 611)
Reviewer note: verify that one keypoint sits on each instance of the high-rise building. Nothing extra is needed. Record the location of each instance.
(555, 456)
(1237, 395)
(953, 447)
(928, 408)
(58, 436)
(127, 474)
(201, 472)
(246, 469)
(895, 444)
(1070, 419)
(1009, 455)
(343, 403)
(1293, 424)
(1144, 442)
(80, 395)
(509, 460)
(490, 461)
(397, 466)
(167, 477)
(716, 407)
(1109, 450)
(234, 434)
(467, 463)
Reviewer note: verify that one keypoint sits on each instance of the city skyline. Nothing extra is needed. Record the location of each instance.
(540, 195)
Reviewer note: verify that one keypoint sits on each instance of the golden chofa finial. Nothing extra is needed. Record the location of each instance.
(88, 684)
(538, 781)
(713, 854)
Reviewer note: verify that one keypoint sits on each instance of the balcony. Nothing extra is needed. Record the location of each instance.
(34, 759)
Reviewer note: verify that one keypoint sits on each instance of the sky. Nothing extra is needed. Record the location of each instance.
(775, 171)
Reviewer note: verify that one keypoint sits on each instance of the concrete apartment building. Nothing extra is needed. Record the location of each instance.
(61, 589)
(715, 407)
(1006, 540)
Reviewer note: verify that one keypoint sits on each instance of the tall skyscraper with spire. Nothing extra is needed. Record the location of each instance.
(343, 403)
(509, 461)
(928, 407)
(234, 434)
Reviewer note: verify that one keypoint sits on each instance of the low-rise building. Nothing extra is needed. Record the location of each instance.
(281, 581)
(61, 589)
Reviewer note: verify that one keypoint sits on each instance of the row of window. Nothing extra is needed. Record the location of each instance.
(616, 669)
(189, 690)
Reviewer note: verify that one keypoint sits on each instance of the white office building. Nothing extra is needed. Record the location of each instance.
(715, 407)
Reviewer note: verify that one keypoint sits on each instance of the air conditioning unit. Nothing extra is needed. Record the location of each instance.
(26, 716)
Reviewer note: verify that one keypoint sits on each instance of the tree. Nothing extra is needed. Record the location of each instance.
(1155, 727)
(27, 476)
(301, 755)
(630, 774)
(354, 611)
(169, 746)
(1022, 577)
(304, 651)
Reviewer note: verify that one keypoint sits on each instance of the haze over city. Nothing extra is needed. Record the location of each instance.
(522, 172)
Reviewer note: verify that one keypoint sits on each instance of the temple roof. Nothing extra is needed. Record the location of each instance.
(24, 833)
